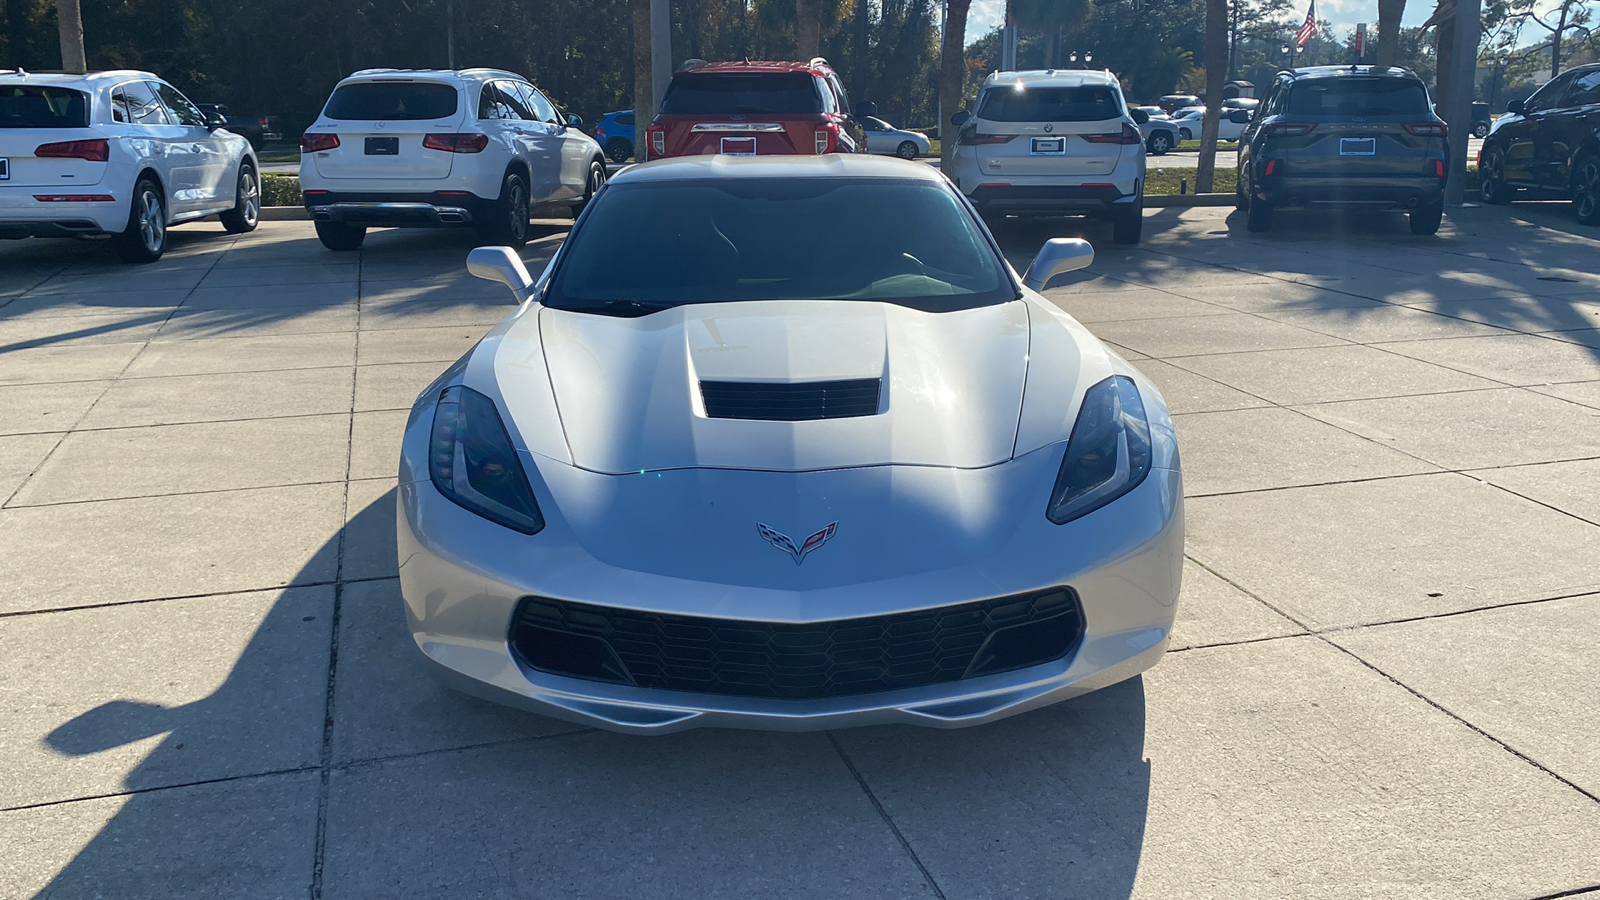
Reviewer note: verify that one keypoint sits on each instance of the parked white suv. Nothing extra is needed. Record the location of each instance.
(120, 153)
(1057, 142)
(431, 147)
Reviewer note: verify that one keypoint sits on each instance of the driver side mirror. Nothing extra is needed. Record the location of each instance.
(574, 121)
(960, 117)
(1239, 117)
(215, 121)
(1139, 116)
(502, 265)
(1058, 256)
(866, 108)
(1517, 107)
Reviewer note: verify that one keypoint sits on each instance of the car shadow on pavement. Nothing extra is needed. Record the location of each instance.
(404, 787)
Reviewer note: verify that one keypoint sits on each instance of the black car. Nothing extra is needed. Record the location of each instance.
(1347, 136)
(1548, 146)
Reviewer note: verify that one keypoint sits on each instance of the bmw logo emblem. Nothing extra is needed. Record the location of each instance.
(1049, 128)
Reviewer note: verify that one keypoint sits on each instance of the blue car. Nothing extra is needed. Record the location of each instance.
(615, 133)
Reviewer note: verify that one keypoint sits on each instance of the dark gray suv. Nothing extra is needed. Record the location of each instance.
(1345, 135)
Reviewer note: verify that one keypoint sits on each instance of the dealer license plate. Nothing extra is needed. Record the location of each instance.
(5, 169)
(1358, 146)
(1050, 146)
(383, 146)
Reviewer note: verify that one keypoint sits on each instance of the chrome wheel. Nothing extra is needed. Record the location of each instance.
(597, 180)
(906, 150)
(249, 197)
(1160, 143)
(152, 222)
(519, 209)
(1492, 178)
(1586, 191)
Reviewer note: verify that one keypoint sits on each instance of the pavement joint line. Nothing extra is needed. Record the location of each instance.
(1575, 892)
(356, 765)
(883, 814)
(234, 420)
(1294, 487)
(1323, 636)
(202, 493)
(228, 593)
(133, 792)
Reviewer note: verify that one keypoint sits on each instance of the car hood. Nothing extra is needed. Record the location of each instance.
(627, 394)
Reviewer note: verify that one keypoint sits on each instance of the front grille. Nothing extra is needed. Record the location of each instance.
(796, 661)
(797, 402)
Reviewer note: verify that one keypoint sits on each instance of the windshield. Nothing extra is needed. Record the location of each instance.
(35, 106)
(727, 93)
(1049, 104)
(392, 101)
(666, 244)
(1346, 96)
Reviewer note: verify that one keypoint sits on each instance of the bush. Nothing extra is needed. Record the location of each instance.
(280, 190)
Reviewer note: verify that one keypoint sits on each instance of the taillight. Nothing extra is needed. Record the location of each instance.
(1128, 135)
(263, 122)
(1438, 168)
(315, 143)
(972, 137)
(658, 141)
(74, 198)
(93, 151)
(1272, 166)
(1428, 129)
(461, 142)
(1287, 129)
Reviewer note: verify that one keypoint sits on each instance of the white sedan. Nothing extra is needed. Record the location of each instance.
(887, 140)
(724, 467)
(120, 153)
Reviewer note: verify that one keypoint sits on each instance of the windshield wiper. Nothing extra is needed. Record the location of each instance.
(626, 309)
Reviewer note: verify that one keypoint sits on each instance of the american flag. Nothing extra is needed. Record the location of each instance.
(1310, 26)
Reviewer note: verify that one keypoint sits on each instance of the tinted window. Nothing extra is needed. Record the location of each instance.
(1345, 96)
(1585, 90)
(1549, 95)
(719, 93)
(517, 96)
(135, 104)
(540, 106)
(1049, 104)
(625, 119)
(910, 242)
(179, 109)
(492, 104)
(36, 106)
(392, 101)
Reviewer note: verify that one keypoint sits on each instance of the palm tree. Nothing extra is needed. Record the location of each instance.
(1216, 77)
(952, 77)
(69, 17)
(808, 29)
(1389, 14)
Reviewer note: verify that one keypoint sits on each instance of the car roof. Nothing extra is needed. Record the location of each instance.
(834, 165)
(1348, 71)
(1051, 77)
(818, 66)
(63, 79)
(465, 74)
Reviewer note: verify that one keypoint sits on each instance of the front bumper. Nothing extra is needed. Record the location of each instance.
(386, 210)
(463, 579)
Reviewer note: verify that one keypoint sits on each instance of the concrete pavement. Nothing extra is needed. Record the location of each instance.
(1382, 679)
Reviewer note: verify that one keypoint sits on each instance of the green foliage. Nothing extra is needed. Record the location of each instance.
(280, 190)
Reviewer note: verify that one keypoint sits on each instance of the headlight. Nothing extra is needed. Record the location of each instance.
(1108, 453)
(473, 463)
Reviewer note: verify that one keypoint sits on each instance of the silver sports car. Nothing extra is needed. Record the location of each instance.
(785, 443)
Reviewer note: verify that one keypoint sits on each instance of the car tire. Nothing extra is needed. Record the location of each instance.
(508, 218)
(1241, 200)
(619, 149)
(1492, 187)
(1586, 190)
(1425, 218)
(246, 212)
(1480, 130)
(1185, 134)
(1127, 225)
(1159, 143)
(906, 150)
(596, 180)
(145, 238)
(341, 237)
(1258, 218)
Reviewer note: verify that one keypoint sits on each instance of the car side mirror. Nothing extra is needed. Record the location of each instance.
(1139, 116)
(1239, 117)
(866, 108)
(502, 265)
(215, 121)
(1516, 106)
(574, 121)
(1058, 256)
(960, 117)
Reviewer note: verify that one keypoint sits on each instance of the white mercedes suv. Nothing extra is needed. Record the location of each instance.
(432, 147)
(1056, 142)
(120, 153)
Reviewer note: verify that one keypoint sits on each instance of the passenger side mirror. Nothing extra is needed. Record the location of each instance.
(866, 108)
(1517, 106)
(1239, 117)
(502, 265)
(574, 121)
(1139, 116)
(215, 121)
(960, 118)
(1058, 256)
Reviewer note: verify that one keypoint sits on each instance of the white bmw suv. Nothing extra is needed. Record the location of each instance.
(431, 147)
(120, 153)
(1056, 142)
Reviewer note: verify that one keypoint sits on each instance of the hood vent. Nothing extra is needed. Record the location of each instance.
(796, 402)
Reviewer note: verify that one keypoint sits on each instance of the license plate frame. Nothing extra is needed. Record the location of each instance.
(382, 146)
(737, 146)
(1365, 146)
(1048, 146)
(5, 169)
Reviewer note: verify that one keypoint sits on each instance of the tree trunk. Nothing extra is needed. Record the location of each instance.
(952, 78)
(69, 17)
(644, 100)
(1445, 54)
(1216, 78)
(807, 29)
(1389, 14)
(1555, 41)
(17, 33)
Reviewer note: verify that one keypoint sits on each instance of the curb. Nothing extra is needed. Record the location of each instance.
(284, 214)
(1189, 199)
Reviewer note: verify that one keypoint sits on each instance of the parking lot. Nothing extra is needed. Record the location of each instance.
(1383, 679)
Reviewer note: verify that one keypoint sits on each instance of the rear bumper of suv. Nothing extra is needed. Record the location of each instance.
(398, 210)
(22, 214)
(1069, 199)
(1348, 191)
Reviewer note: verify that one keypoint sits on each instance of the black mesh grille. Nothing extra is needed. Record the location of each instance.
(791, 402)
(797, 662)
